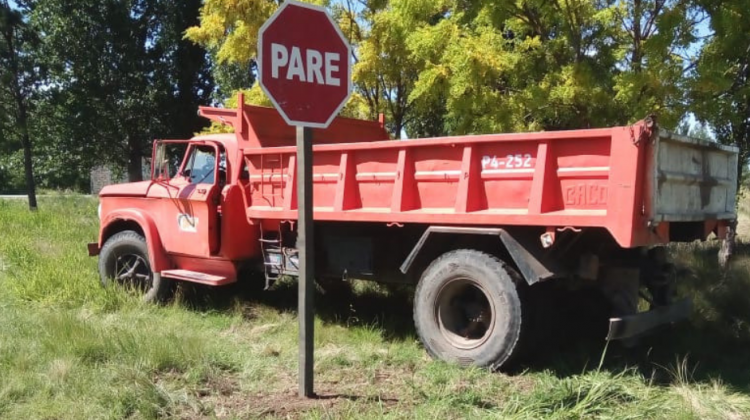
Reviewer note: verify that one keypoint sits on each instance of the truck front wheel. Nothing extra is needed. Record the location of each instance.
(124, 260)
(467, 309)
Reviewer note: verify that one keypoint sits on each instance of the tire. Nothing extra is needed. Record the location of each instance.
(467, 309)
(128, 249)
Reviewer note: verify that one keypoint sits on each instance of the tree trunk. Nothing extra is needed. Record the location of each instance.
(727, 245)
(28, 165)
(636, 56)
(398, 125)
(29, 170)
(135, 162)
(22, 116)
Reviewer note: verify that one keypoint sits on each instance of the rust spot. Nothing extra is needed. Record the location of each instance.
(707, 181)
(661, 178)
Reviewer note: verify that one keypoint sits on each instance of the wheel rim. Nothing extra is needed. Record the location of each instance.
(464, 313)
(133, 271)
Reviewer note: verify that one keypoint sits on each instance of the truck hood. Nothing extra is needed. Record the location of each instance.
(131, 189)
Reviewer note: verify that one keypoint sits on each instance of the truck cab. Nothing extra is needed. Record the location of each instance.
(189, 222)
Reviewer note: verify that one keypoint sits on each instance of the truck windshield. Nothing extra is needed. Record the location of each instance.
(201, 165)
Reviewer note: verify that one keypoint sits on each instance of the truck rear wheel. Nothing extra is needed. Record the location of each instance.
(124, 260)
(467, 309)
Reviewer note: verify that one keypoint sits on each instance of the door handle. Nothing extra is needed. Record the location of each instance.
(201, 190)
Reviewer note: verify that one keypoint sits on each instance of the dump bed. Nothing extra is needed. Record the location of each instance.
(633, 181)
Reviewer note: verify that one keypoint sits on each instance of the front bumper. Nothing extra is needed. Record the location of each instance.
(638, 324)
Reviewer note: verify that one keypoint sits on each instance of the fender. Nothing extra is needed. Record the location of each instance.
(157, 256)
(533, 266)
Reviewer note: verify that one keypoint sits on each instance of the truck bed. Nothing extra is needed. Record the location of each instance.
(633, 181)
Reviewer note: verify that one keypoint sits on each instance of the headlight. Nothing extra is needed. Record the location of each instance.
(99, 211)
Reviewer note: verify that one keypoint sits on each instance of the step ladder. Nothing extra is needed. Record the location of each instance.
(273, 257)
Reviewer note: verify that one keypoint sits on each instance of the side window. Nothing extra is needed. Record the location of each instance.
(201, 165)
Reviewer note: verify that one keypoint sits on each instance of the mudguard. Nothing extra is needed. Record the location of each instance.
(533, 268)
(157, 255)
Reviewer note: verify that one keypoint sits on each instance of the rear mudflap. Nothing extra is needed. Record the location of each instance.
(632, 326)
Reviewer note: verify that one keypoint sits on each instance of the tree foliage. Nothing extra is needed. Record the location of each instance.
(452, 67)
(544, 65)
(121, 75)
(229, 32)
(721, 85)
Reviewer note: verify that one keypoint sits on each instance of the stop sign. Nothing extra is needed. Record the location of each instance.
(304, 65)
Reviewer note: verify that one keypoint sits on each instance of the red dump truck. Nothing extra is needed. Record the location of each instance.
(473, 221)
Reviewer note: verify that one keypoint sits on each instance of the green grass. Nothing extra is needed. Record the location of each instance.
(70, 349)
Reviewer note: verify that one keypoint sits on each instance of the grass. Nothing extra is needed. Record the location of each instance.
(70, 349)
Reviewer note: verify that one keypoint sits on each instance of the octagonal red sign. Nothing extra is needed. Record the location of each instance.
(304, 64)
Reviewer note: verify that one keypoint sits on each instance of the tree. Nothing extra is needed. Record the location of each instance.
(720, 86)
(440, 67)
(385, 70)
(19, 79)
(229, 32)
(121, 75)
(545, 65)
(656, 38)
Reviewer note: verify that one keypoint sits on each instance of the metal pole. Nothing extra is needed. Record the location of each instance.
(305, 243)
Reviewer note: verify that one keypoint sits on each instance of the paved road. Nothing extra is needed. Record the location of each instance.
(38, 197)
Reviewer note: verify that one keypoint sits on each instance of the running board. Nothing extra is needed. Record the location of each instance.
(196, 277)
(638, 324)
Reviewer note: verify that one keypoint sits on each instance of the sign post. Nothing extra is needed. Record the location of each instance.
(304, 68)
(306, 278)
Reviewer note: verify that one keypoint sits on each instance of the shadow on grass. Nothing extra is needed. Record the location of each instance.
(714, 344)
(356, 303)
(716, 341)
